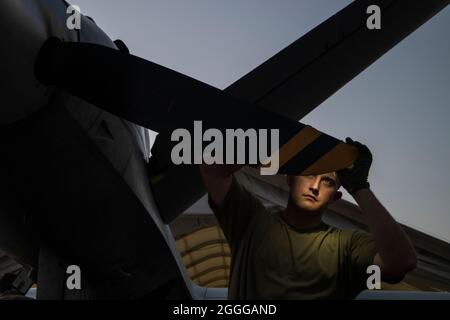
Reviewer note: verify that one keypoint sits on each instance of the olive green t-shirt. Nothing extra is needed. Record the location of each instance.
(272, 259)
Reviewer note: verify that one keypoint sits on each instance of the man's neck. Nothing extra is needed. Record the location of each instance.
(300, 218)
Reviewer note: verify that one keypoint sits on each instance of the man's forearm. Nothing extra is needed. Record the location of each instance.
(394, 247)
(217, 180)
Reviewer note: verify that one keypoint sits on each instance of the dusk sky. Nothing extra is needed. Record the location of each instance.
(399, 106)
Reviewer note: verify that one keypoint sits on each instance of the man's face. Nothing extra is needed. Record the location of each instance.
(314, 193)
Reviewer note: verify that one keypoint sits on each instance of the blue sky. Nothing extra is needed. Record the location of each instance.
(399, 106)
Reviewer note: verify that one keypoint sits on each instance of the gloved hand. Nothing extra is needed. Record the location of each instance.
(355, 178)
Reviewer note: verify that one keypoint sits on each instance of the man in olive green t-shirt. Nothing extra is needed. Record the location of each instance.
(291, 253)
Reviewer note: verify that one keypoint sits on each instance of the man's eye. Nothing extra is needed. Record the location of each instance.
(329, 182)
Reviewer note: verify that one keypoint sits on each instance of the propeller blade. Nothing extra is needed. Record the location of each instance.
(164, 100)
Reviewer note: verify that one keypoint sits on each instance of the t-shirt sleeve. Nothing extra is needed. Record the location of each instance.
(362, 251)
(236, 213)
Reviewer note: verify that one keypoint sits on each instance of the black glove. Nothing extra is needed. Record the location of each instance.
(355, 178)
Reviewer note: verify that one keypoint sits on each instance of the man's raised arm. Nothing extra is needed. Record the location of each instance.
(217, 179)
(396, 254)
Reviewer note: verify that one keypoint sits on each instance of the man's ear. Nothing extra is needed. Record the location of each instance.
(337, 196)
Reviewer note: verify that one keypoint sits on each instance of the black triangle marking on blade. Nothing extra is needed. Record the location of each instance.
(310, 154)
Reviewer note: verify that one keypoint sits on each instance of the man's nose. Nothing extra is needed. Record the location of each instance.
(314, 187)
